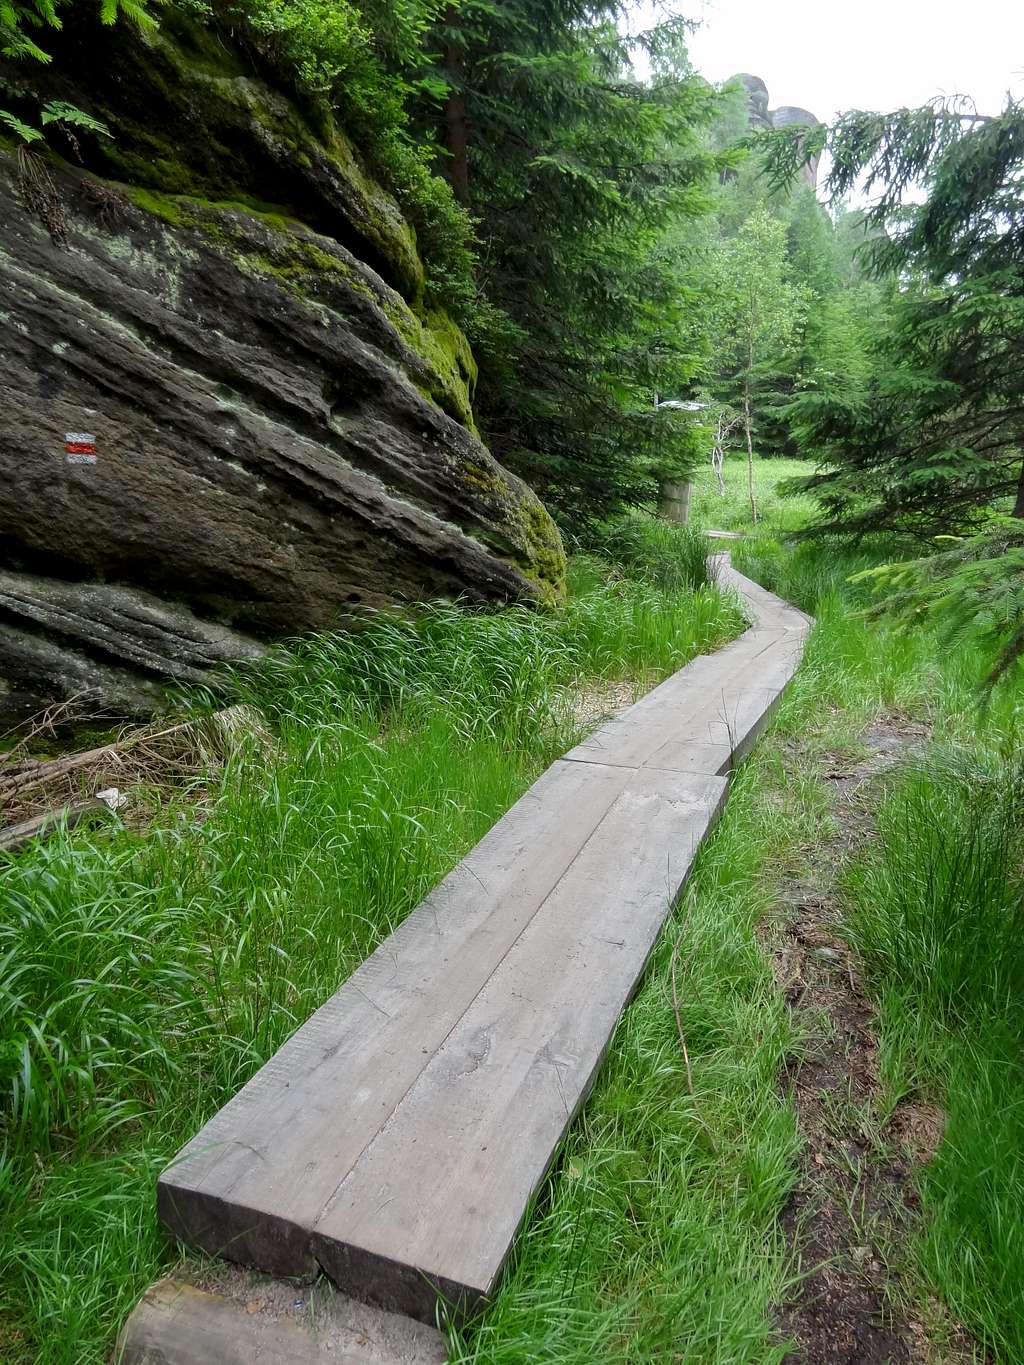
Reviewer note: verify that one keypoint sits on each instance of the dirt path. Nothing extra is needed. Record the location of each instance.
(848, 1215)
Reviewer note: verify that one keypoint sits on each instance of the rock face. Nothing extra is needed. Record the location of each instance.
(226, 414)
(786, 116)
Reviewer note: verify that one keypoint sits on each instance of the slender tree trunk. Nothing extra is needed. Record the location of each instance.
(456, 139)
(750, 439)
(723, 430)
(1018, 506)
(717, 461)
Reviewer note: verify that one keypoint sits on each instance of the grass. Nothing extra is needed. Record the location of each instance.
(658, 1232)
(146, 977)
(666, 555)
(777, 515)
(935, 910)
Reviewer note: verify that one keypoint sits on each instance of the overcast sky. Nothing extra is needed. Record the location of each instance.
(859, 54)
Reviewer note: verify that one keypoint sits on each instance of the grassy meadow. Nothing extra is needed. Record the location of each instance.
(776, 514)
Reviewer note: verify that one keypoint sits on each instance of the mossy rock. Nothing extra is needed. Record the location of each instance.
(188, 116)
(264, 240)
(236, 311)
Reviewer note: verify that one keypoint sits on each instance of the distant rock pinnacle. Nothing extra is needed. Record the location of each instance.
(786, 116)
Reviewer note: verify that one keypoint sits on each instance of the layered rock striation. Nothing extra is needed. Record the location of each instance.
(227, 413)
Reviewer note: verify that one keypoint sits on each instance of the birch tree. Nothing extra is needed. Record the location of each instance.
(757, 313)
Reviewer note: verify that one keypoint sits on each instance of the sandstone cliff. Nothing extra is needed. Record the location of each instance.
(227, 414)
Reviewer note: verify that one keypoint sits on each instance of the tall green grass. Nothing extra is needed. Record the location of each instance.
(666, 554)
(778, 514)
(936, 911)
(146, 975)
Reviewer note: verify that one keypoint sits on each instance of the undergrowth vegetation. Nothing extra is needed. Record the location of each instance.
(937, 914)
(778, 514)
(934, 907)
(147, 975)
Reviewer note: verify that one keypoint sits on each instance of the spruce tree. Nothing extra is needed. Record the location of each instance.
(933, 445)
(575, 172)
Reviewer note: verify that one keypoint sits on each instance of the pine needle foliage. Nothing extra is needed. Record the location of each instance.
(23, 22)
(933, 444)
(575, 172)
(971, 590)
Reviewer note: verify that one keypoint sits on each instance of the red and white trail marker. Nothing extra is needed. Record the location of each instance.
(79, 447)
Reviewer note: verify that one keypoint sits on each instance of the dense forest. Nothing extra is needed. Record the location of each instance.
(474, 277)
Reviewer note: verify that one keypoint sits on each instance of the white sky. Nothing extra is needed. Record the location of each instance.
(858, 54)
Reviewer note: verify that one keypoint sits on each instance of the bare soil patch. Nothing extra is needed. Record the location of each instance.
(854, 1198)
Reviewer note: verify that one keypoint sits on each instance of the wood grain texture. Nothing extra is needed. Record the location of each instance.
(267, 1322)
(398, 1138)
(452, 1172)
(252, 1183)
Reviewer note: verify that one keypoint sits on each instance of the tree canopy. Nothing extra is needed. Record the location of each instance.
(932, 445)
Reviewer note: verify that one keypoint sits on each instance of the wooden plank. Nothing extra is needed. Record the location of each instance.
(254, 1185)
(765, 607)
(251, 1184)
(436, 1199)
(707, 732)
(376, 1143)
(255, 1321)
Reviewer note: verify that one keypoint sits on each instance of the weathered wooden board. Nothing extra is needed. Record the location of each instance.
(447, 1180)
(254, 1180)
(705, 722)
(250, 1320)
(765, 607)
(397, 1139)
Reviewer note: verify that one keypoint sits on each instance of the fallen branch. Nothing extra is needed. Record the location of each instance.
(57, 767)
(17, 836)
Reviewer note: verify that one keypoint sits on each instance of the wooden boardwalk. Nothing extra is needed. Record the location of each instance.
(397, 1139)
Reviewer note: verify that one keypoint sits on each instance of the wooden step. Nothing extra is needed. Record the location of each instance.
(397, 1139)
(235, 1317)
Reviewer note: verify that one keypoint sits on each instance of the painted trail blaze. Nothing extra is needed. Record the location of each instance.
(79, 447)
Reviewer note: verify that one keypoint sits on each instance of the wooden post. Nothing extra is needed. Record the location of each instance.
(674, 502)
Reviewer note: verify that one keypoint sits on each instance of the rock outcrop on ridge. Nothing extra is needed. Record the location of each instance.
(786, 116)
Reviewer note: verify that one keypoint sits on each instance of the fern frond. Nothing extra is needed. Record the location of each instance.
(57, 111)
(23, 130)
